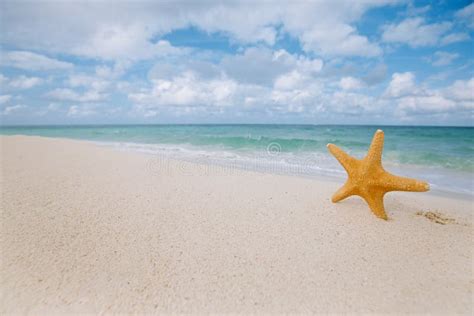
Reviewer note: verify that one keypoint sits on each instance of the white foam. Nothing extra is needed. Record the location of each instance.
(308, 164)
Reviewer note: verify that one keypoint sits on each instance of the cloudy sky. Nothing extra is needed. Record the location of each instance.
(318, 62)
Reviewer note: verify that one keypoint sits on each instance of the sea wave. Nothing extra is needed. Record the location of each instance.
(444, 156)
(306, 164)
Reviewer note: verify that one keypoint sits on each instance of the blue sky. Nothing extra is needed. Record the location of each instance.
(317, 62)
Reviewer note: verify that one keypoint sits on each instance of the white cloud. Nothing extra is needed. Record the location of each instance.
(126, 30)
(81, 110)
(290, 100)
(257, 65)
(94, 83)
(327, 27)
(5, 98)
(263, 66)
(461, 90)
(94, 87)
(431, 103)
(3, 79)
(454, 38)
(350, 83)
(415, 32)
(415, 11)
(292, 85)
(290, 81)
(411, 99)
(247, 24)
(256, 79)
(187, 90)
(294, 92)
(295, 89)
(306, 64)
(32, 61)
(53, 107)
(125, 42)
(467, 14)
(443, 58)
(23, 82)
(64, 94)
(353, 103)
(167, 70)
(119, 68)
(13, 109)
(402, 84)
(338, 39)
(254, 65)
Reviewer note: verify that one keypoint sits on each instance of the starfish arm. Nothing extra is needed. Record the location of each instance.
(375, 202)
(395, 183)
(368, 178)
(344, 159)
(345, 191)
(374, 155)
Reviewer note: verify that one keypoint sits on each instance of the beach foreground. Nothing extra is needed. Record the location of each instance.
(92, 230)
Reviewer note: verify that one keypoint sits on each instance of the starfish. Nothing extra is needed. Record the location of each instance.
(369, 180)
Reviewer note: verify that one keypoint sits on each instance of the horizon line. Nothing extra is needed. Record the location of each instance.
(222, 124)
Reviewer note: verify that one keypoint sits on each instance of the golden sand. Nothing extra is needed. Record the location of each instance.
(87, 229)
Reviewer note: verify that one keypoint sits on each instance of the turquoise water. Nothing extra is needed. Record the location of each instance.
(444, 156)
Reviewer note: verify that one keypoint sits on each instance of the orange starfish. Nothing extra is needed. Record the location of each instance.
(369, 180)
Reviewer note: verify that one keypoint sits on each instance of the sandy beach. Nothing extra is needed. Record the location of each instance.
(89, 229)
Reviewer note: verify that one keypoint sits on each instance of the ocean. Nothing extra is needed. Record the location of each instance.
(443, 156)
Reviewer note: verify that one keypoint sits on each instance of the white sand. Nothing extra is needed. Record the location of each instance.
(92, 230)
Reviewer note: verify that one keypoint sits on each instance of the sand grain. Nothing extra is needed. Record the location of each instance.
(92, 230)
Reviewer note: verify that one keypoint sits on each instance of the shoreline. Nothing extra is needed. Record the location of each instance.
(230, 166)
(89, 229)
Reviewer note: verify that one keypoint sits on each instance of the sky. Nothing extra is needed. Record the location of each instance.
(296, 62)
